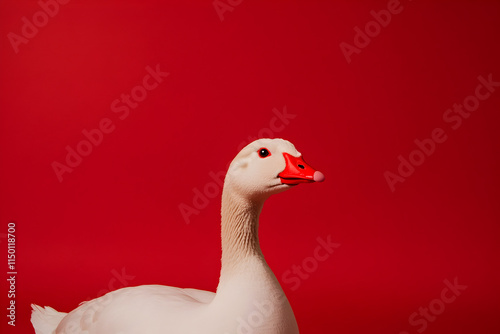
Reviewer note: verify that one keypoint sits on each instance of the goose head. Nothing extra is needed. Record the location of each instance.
(268, 166)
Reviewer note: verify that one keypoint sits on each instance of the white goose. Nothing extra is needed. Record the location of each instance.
(249, 298)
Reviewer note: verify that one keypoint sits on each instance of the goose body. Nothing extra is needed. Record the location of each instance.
(249, 298)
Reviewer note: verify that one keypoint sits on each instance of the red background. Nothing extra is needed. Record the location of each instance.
(120, 207)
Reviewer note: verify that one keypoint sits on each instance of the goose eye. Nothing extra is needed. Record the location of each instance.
(264, 152)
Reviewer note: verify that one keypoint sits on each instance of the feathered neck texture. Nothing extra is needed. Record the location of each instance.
(239, 230)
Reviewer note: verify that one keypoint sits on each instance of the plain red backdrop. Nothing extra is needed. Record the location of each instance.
(118, 211)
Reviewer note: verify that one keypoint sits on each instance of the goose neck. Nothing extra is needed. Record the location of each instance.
(239, 230)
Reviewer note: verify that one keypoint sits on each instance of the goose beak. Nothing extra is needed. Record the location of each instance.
(298, 171)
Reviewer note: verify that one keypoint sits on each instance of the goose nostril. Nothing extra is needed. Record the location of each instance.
(301, 166)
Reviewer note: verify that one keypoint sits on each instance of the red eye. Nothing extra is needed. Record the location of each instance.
(264, 152)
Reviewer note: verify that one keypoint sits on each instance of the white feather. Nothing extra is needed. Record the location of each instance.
(45, 319)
